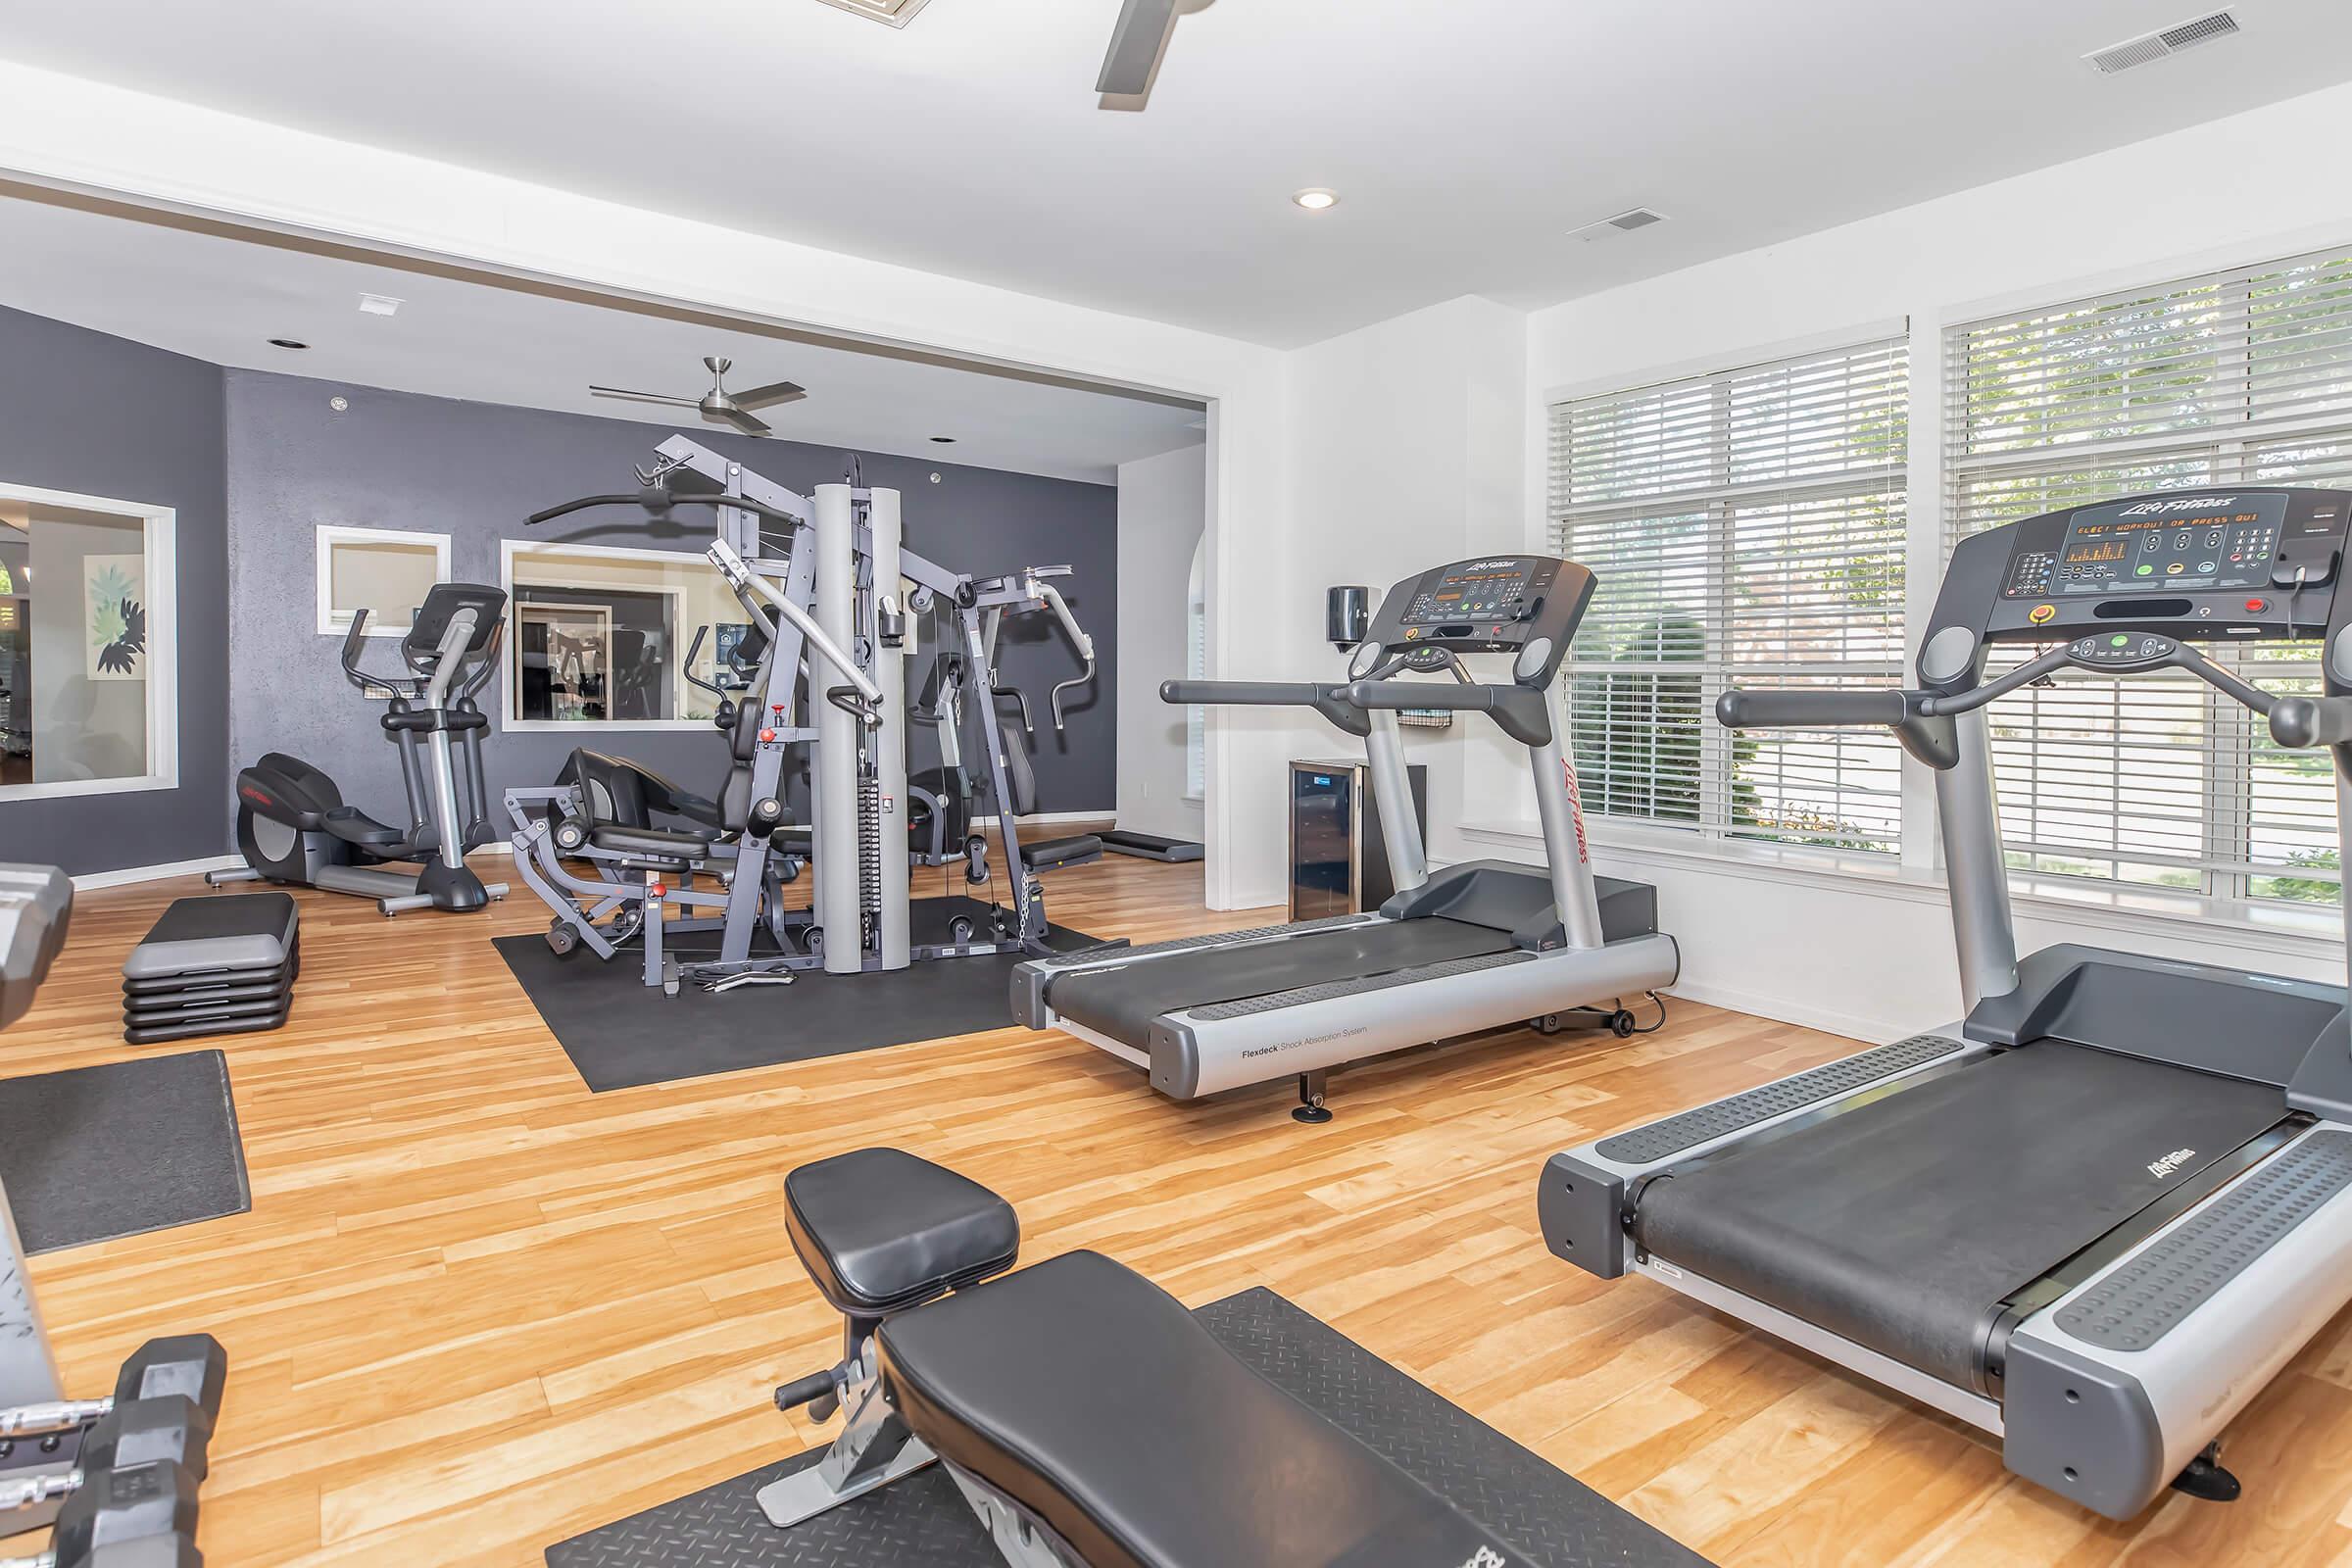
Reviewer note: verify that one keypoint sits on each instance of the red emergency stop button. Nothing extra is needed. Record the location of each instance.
(2255, 607)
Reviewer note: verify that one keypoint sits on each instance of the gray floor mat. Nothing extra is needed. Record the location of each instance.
(90, 1153)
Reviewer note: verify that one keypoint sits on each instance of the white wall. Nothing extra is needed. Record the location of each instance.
(1164, 506)
(1875, 961)
(1405, 454)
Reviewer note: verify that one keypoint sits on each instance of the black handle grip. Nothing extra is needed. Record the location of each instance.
(853, 701)
(815, 1385)
(2305, 721)
(1244, 693)
(1430, 694)
(1763, 710)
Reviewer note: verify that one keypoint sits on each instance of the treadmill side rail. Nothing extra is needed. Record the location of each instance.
(1206, 1050)
(2137, 1417)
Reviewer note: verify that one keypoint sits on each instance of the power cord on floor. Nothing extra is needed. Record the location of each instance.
(1649, 1028)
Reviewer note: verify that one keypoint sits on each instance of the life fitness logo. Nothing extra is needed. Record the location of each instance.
(1576, 810)
(1489, 566)
(2191, 504)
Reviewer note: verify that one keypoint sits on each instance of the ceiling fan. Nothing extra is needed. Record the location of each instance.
(1137, 43)
(731, 408)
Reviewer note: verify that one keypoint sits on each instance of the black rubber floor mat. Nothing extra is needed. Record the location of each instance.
(923, 1522)
(622, 1034)
(91, 1153)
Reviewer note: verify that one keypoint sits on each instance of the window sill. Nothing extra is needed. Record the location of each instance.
(68, 788)
(2315, 932)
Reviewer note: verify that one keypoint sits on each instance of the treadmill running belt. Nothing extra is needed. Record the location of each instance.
(1900, 1224)
(1122, 1001)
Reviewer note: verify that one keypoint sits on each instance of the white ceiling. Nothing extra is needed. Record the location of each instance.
(1468, 136)
(222, 298)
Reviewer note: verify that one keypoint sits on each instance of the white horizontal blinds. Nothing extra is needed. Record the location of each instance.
(1746, 527)
(2236, 377)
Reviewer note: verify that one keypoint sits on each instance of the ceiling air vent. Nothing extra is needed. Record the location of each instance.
(894, 13)
(2151, 47)
(1622, 223)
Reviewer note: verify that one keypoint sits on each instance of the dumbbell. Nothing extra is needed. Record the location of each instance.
(191, 1365)
(140, 1516)
(172, 1430)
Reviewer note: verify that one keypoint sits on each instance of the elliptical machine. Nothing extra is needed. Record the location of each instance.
(292, 824)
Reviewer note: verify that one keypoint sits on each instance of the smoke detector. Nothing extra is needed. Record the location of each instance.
(1623, 224)
(2149, 48)
(892, 13)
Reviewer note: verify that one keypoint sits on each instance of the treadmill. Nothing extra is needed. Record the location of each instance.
(1484, 944)
(2094, 1216)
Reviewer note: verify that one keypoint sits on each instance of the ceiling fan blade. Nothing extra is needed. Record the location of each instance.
(642, 397)
(747, 424)
(1136, 45)
(759, 397)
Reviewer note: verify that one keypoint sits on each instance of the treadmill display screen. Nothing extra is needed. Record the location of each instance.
(1481, 590)
(2152, 547)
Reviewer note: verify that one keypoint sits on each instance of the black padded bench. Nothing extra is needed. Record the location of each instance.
(1054, 855)
(1087, 1416)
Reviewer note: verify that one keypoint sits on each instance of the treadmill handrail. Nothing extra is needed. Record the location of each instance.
(1523, 712)
(1324, 697)
(2303, 723)
(1923, 720)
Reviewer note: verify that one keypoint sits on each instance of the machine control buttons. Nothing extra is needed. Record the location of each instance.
(2255, 607)
(2121, 648)
(2043, 615)
(2030, 573)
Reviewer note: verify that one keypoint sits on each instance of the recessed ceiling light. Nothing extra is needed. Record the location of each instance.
(287, 343)
(1315, 199)
(944, 440)
(380, 305)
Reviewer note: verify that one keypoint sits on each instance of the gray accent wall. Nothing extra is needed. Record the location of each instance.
(100, 416)
(476, 470)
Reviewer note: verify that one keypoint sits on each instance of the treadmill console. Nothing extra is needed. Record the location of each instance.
(1525, 605)
(2224, 563)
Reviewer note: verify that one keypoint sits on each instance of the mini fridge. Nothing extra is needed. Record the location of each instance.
(1339, 861)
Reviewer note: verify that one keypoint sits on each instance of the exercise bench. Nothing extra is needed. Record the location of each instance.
(1086, 1416)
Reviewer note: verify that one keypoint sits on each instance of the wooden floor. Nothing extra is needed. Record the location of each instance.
(476, 1309)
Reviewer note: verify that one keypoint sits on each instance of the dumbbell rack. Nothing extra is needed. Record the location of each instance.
(35, 904)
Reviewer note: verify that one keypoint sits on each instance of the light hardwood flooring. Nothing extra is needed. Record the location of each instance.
(476, 1309)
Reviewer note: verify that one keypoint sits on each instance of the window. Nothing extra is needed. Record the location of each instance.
(89, 663)
(384, 572)
(2236, 378)
(1746, 527)
(598, 636)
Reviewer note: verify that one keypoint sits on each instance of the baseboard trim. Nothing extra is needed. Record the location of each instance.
(1780, 1009)
(130, 874)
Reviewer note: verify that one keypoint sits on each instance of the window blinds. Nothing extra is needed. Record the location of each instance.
(2236, 378)
(1746, 529)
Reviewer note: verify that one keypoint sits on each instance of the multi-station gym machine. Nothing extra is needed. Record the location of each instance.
(828, 581)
